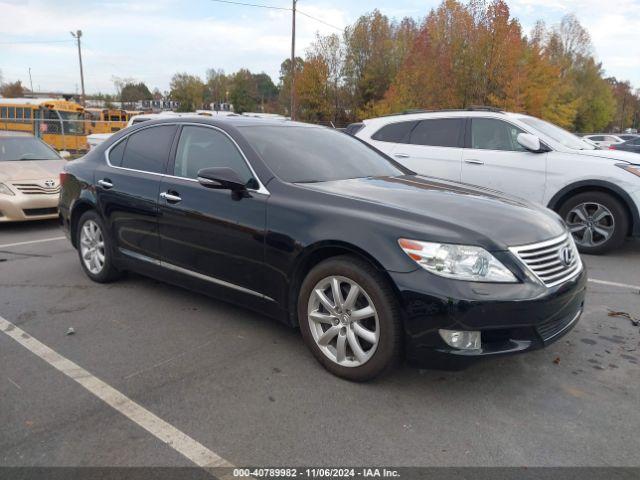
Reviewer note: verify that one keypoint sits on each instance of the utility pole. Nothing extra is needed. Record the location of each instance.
(30, 81)
(293, 60)
(77, 36)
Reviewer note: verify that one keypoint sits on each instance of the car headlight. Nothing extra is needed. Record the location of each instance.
(461, 262)
(4, 190)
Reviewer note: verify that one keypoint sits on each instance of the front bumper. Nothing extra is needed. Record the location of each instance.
(513, 318)
(21, 207)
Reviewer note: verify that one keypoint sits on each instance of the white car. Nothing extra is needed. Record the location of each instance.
(596, 192)
(603, 139)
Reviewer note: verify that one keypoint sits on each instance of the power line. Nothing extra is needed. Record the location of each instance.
(252, 5)
(318, 20)
(272, 7)
(35, 41)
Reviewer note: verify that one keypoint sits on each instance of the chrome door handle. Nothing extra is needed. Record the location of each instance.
(105, 183)
(401, 155)
(473, 161)
(170, 197)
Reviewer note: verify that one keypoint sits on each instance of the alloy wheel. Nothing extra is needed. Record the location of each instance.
(92, 247)
(591, 224)
(343, 321)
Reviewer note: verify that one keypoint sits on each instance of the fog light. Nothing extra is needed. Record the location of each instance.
(462, 339)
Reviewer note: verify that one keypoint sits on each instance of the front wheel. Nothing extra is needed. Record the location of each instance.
(349, 318)
(597, 221)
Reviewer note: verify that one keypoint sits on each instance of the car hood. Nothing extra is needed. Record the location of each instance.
(611, 155)
(440, 210)
(31, 170)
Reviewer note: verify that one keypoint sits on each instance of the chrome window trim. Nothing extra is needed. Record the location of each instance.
(185, 271)
(261, 188)
(515, 250)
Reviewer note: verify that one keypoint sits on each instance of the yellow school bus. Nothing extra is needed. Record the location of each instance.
(105, 120)
(60, 123)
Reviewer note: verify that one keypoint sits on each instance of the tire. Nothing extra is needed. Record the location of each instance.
(602, 214)
(378, 336)
(106, 272)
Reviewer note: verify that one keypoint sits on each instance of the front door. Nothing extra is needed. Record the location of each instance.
(212, 234)
(496, 160)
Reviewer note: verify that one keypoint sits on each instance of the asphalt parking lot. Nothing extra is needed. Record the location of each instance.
(245, 387)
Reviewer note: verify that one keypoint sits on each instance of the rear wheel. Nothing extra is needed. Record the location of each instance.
(349, 318)
(94, 249)
(597, 221)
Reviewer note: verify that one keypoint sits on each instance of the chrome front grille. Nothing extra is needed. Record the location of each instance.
(37, 189)
(552, 262)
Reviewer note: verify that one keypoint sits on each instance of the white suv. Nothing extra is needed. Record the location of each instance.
(596, 192)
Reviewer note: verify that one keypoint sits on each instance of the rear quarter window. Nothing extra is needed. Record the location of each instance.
(148, 149)
(394, 132)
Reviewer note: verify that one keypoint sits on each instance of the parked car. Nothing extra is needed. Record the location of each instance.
(29, 178)
(604, 140)
(632, 145)
(596, 192)
(628, 136)
(321, 231)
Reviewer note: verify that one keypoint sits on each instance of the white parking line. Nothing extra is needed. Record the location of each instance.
(51, 239)
(174, 438)
(615, 284)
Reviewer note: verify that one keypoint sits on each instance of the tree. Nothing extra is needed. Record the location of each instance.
(217, 88)
(284, 85)
(243, 91)
(188, 90)
(312, 87)
(12, 89)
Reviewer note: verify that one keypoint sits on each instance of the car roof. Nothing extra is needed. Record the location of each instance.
(238, 121)
(411, 115)
(4, 133)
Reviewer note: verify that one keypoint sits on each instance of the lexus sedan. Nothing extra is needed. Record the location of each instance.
(29, 178)
(325, 233)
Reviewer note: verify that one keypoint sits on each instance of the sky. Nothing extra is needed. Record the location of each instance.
(150, 40)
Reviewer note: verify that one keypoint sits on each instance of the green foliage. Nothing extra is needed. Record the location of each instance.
(188, 90)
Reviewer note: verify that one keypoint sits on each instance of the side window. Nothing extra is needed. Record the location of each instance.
(439, 132)
(596, 138)
(394, 132)
(27, 114)
(148, 149)
(3, 113)
(636, 141)
(202, 147)
(12, 112)
(19, 114)
(492, 134)
(116, 153)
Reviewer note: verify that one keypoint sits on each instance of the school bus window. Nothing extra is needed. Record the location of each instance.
(27, 114)
(3, 113)
(12, 112)
(19, 114)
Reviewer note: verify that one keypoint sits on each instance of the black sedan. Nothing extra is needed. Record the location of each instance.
(325, 233)
(632, 145)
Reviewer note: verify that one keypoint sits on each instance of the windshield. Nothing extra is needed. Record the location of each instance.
(27, 148)
(73, 122)
(315, 154)
(558, 134)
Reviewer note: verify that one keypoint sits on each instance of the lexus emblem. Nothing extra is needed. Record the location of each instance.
(566, 256)
(49, 183)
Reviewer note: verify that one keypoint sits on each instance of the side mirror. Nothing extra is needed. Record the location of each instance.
(221, 178)
(64, 154)
(530, 142)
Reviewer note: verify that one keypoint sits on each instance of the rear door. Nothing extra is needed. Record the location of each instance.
(494, 159)
(212, 234)
(434, 148)
(127, 189)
